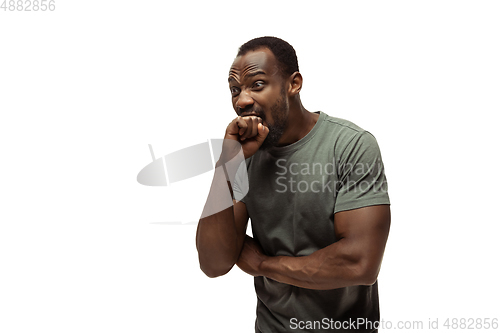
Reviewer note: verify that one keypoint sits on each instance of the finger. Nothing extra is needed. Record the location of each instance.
(255, 130)
(263, 132)
(248, 129)
(251, 130)
(233, 127)
(242, 125)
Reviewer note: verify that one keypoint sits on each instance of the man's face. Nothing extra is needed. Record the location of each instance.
(258, 89)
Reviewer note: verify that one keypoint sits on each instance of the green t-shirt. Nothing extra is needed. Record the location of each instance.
(293, 193)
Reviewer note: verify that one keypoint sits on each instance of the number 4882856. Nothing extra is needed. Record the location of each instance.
(471, 323)
(28, 5)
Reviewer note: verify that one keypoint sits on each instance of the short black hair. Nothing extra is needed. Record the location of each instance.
(284, 52)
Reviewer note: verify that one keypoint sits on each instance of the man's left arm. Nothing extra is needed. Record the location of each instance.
(354, 259)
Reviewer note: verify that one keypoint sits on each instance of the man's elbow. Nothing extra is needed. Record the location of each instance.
(215, 263)
(368, 274)
(369, 279)
(213, 272)
(214, 266)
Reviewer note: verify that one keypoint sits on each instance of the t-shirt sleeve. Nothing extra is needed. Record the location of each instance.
(240, 183)
(361, 176)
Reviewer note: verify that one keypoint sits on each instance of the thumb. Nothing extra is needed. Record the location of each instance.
(263, 131)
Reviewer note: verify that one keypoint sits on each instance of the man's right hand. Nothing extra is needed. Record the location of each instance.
(249, 132)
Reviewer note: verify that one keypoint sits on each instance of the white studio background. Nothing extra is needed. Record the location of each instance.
(85, 88)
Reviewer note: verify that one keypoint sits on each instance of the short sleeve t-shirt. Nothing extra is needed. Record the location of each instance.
(293, 193)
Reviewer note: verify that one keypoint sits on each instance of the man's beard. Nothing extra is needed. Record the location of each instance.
(280, 118)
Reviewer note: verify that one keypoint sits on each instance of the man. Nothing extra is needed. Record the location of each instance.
(317, 200)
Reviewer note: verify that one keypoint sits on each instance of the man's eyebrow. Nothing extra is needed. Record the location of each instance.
(247, 75)
(255, 73)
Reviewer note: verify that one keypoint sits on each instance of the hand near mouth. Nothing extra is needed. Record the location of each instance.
(249, 131)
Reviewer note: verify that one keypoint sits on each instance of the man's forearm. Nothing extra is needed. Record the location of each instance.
(216, 236)
(335, 266)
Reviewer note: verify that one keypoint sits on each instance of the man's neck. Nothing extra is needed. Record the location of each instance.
(300, 122)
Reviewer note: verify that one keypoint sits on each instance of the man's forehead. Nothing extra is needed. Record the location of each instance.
(261, 59)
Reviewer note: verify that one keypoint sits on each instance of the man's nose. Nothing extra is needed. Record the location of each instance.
(244, 100)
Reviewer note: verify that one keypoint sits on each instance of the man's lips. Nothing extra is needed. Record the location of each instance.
(248, 114)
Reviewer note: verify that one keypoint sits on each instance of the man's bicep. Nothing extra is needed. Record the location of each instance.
(365, 230)
(240, 220)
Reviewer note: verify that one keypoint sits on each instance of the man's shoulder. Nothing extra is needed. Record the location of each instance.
(335, 123)
(345, 135)
(340, 131)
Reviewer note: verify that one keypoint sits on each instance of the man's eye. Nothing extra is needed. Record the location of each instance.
(234, 90)
(258, 84)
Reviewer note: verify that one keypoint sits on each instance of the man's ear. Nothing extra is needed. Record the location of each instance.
(295, 84)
